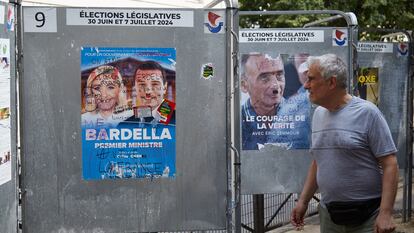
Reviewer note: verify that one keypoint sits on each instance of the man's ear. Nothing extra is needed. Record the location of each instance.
(333, 82)
(244, 86)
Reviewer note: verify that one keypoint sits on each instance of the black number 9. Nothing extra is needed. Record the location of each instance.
(40, 17)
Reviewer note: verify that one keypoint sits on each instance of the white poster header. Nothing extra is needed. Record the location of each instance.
(118, 17)
(281, 36)
(366, 47)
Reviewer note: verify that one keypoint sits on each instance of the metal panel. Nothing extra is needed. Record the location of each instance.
(273, 169)
(57, 199)
(393, 80)
(8, 126)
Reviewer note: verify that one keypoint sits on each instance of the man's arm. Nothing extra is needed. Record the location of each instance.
(384, 222)
(309, 189)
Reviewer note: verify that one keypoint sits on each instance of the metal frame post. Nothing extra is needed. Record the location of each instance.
(258, 209)
(18, 72)
(233, 173)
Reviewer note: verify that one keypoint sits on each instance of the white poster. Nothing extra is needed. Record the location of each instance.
(40, 20)
(5, 136)
(2, 11)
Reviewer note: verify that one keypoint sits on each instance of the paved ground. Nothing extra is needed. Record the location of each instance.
(312, 223)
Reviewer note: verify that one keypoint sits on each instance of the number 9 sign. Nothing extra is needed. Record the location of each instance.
(39, 19)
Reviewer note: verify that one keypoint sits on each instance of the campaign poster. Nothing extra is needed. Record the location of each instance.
(368, 85)
(5, 133)
(275, 107)
(128, 112)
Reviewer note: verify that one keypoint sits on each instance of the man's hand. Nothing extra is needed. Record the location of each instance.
(309, 189)
(384, 223)
(296, 217)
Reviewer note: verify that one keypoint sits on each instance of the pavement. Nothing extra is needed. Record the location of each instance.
(312, 223)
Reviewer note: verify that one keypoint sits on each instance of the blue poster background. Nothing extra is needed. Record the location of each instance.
(128, 149)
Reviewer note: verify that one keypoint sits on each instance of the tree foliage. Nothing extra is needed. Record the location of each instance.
(385, 14)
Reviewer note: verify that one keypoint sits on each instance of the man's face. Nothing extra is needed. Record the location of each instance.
(264, 81)
(106, 92)
(317, 86)
(150, 88)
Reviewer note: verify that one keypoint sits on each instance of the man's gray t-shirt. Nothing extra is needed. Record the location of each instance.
(346, 144)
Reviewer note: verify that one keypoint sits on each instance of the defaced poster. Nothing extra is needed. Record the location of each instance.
(128, 112)
(275, 106)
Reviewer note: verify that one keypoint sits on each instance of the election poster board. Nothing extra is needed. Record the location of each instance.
(382, 79)
(128, 112)
(275, 111)
(64, 171)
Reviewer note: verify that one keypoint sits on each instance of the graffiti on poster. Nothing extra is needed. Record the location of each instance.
(5, 132)
(368, 85)
(128, 112)
(275, 107)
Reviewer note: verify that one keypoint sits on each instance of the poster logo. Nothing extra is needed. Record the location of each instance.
(402, 49)
(340, 37)
(10, 19)
(213, 23)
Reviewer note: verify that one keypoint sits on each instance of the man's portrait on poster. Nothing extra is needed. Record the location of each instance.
(269, 116)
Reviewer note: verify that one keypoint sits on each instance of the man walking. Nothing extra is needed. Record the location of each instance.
(354, 163)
